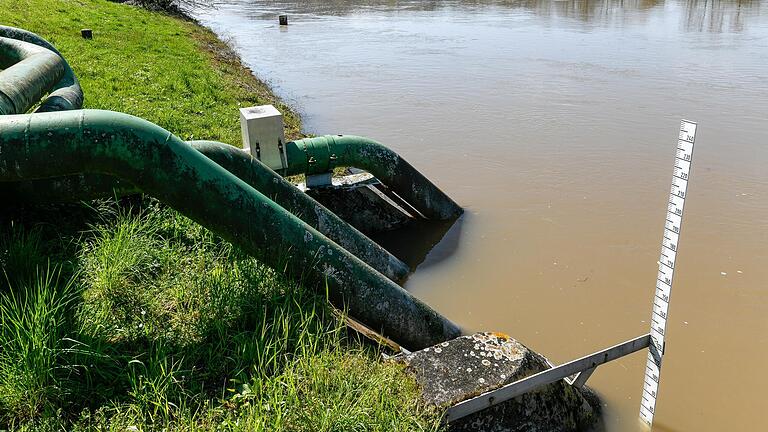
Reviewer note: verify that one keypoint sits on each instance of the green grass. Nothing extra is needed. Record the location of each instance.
(162, 324)
(33, 317)
(128, 316)
(169, 71)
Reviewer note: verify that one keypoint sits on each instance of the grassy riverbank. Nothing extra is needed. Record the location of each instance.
(128, 316)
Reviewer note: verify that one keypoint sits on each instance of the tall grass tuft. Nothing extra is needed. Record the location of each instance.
(34, 325)
(21, 254)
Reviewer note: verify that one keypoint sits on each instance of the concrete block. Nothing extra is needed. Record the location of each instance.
(468, 366)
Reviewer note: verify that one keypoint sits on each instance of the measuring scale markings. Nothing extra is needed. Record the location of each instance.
(669, 246)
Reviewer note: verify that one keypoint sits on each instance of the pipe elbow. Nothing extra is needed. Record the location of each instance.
(30, 72)
(322, 154)
(92, 141)
(66, 94)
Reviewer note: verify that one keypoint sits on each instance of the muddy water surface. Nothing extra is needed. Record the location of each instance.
(554, 124)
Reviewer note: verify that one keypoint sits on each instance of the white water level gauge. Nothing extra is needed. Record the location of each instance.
(669, 244)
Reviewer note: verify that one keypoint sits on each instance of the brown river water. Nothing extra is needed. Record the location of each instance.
(554, 123)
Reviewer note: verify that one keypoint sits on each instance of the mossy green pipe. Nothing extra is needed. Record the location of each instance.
(275, 187)
(88, 141)
(66, 94)
(89, 186)
(323, 154)
(67, 189)
(29, 72)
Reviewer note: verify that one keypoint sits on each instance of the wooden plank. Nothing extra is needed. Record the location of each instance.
(517, 388)
(368, 332)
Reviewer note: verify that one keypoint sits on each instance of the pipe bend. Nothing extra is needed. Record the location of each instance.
(88, 186)
(320, 154)
(30, 72)
(67, 93)
(275, 187)
(89, 141)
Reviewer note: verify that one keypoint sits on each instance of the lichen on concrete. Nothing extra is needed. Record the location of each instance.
(468, 366)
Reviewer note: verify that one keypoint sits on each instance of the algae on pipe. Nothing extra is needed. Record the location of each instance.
(91, 141)
(87, 186)
(322, 154)
(29, 72)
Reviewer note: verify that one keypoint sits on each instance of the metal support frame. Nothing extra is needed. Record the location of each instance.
(583, 367)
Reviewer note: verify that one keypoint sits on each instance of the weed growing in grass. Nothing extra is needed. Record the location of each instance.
(21, 253)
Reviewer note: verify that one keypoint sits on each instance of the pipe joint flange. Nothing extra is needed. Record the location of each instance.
(318, 154)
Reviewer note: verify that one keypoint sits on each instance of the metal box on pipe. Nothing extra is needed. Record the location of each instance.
(263, 136)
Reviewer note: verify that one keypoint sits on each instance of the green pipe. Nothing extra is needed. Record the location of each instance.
(322, 154)
(66, 94)
(288, 196)
(29, 73)
(66, 189)
(92, 186)
(89, 141)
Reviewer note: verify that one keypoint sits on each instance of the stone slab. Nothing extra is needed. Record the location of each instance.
(468, 366)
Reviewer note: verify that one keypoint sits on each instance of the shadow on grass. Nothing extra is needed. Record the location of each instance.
(141, 317)
(165, 315)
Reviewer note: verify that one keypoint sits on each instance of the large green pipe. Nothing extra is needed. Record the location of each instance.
(66, 94)
(67, 189)
(322, 154)
(89, 141)
(91, 186)
(288, 196)
(29, 73)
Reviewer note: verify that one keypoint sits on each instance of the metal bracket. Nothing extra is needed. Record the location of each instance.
(581, 378)
(583, 367)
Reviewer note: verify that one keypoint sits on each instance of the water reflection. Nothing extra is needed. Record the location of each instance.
(423, 243)
(715, 16)
(590, 11)
(553, 124)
